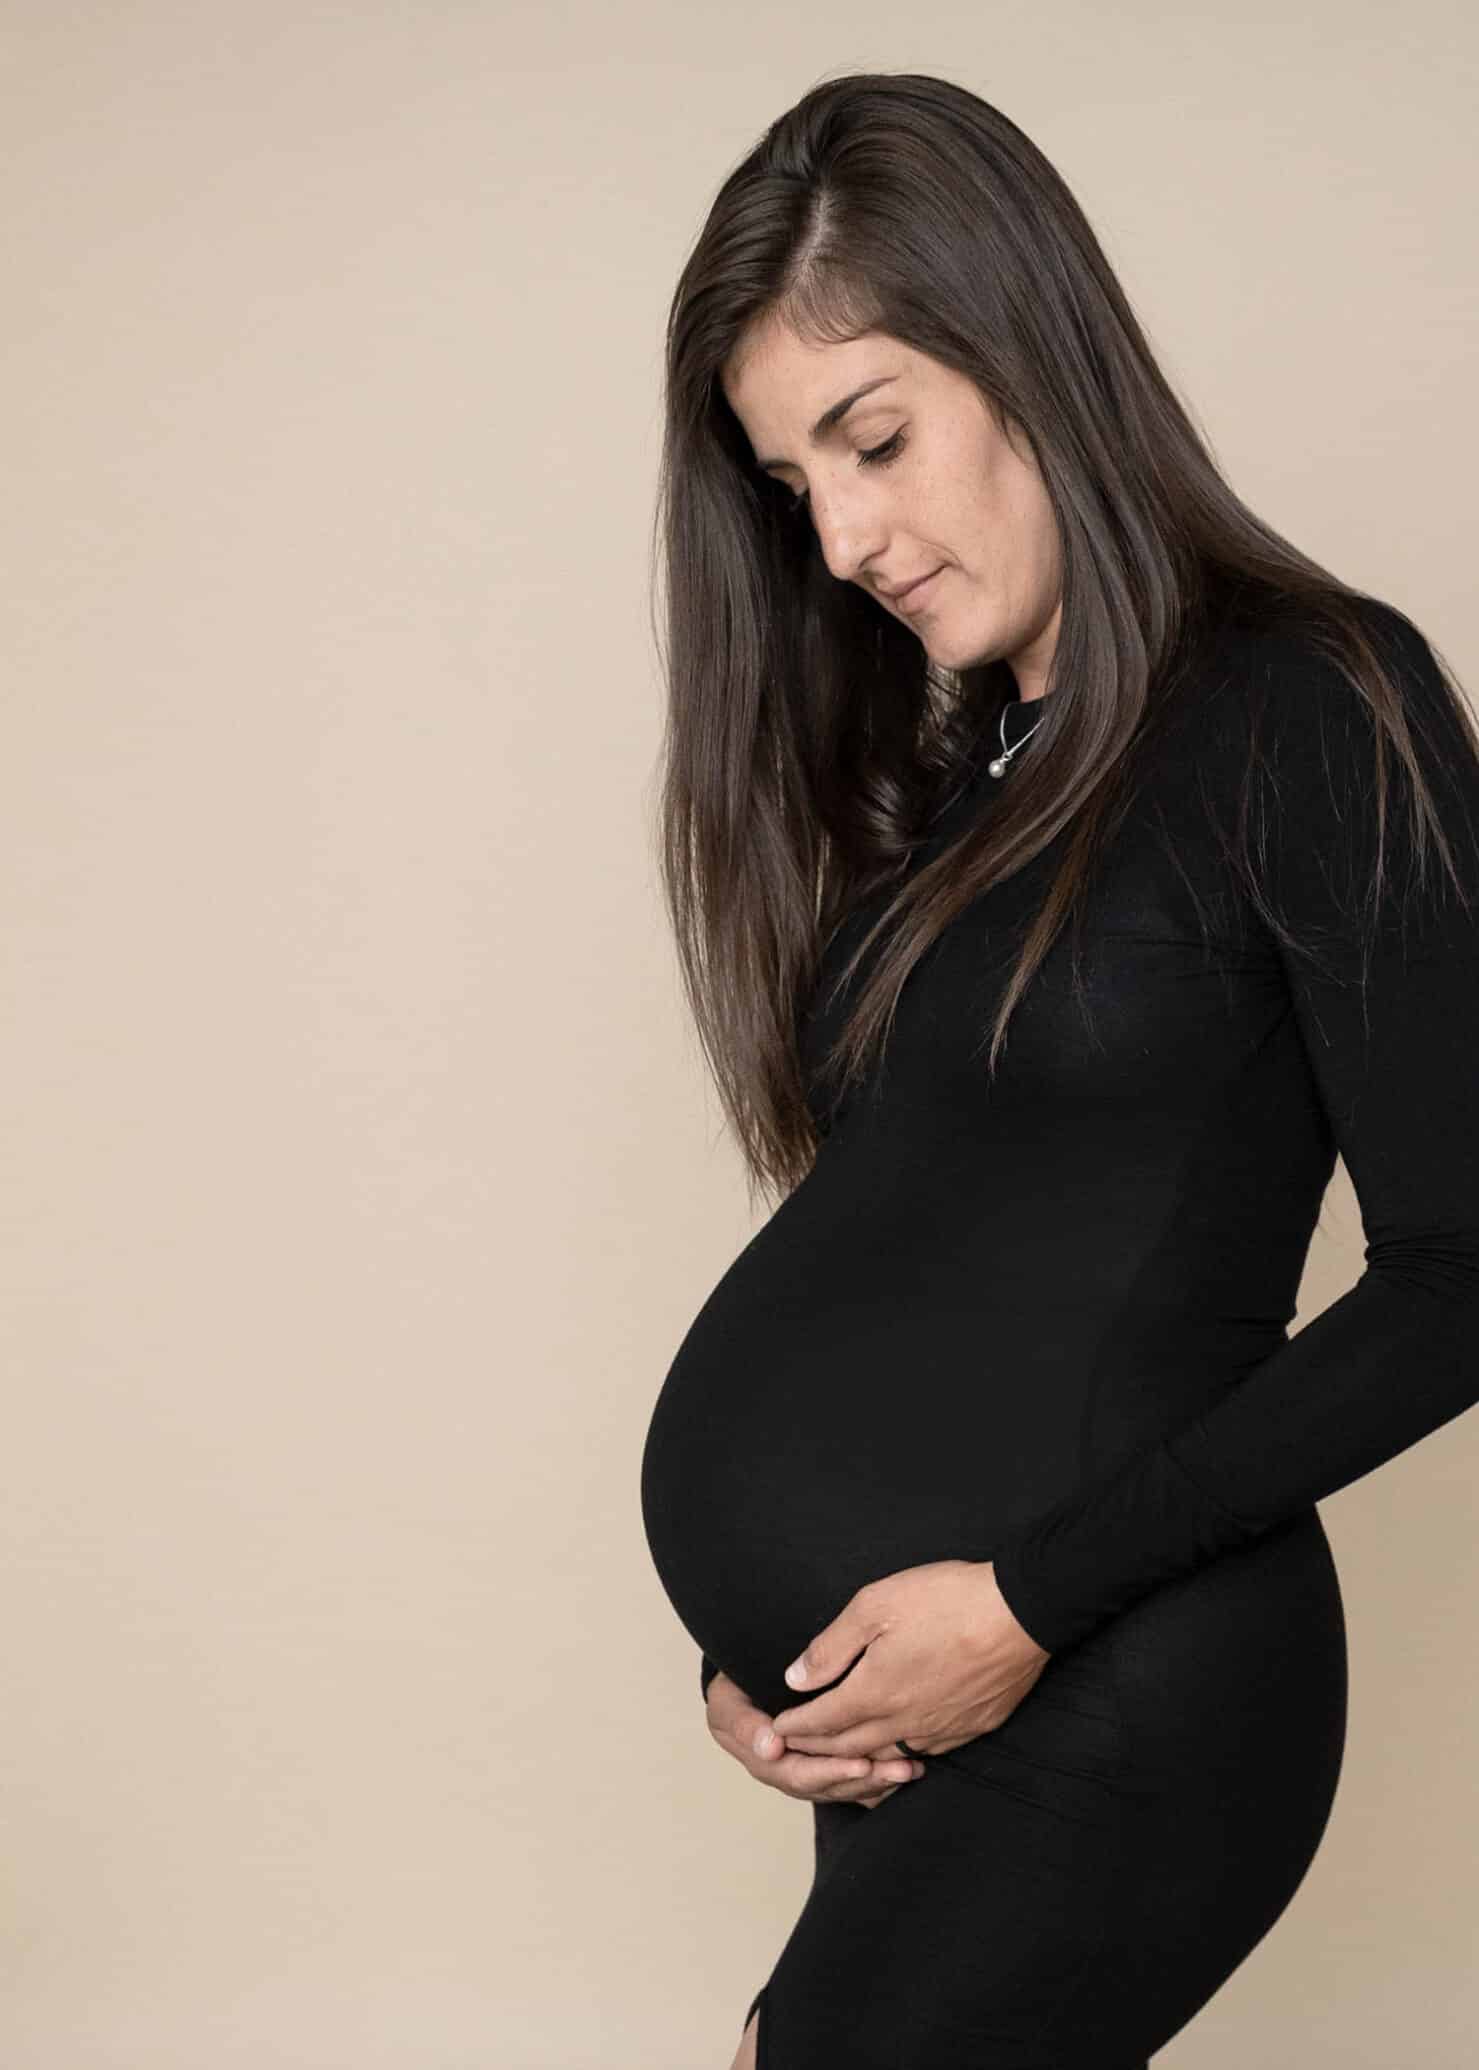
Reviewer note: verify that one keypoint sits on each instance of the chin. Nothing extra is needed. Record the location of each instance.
(954, 648)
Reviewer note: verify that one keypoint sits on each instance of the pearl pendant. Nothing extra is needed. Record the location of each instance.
(997, 767)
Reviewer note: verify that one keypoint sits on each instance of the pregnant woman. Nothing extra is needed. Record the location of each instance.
(1065, 870)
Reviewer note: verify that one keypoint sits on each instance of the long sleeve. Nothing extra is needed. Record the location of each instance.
(706, 1672)
(1393, 1045)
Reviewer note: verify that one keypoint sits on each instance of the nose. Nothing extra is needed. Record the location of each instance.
(850, 531)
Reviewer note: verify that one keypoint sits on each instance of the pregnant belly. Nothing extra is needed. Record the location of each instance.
(820, 1427)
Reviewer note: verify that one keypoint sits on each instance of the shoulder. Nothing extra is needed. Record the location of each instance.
(1364, 750)
(1291, 691)
(1325, 748)
(1311, 678)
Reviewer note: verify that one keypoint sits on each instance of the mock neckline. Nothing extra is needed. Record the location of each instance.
(1020, 714)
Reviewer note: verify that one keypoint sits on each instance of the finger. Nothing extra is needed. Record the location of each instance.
(880, 1748)
(878, 1781)
(810, 1775)
(837, 1645)
(869, 1798)
(893, 1772)
(754, 1731)
(875, 1737)
(849, 1704)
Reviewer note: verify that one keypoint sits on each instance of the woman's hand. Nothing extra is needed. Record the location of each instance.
(942, 1659)
(852, 1779)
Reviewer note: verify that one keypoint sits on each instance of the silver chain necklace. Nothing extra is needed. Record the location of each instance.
(997, 766)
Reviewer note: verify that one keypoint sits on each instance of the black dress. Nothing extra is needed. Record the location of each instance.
(1043, 1322)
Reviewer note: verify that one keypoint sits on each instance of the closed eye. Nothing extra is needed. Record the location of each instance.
(871, 456)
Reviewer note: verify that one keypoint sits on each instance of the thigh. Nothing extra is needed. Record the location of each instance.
(1066, 1892)
(955, 1925)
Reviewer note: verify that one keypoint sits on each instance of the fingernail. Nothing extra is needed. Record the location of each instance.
(763, 1738)
(796, 1674)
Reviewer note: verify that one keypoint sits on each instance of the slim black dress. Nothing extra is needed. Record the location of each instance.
(1044, 1322)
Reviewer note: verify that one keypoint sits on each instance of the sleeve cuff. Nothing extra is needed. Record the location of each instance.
(1093, 1555)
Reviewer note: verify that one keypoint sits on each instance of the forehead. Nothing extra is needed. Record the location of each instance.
(778, 384)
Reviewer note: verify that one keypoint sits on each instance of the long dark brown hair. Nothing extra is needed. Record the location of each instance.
(808, 735)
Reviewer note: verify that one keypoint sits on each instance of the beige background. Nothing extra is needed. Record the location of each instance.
(361, 1175)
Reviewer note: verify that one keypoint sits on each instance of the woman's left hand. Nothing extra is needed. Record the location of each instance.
(943, 1659)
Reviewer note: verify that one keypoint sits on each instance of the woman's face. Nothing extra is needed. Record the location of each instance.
(915, 477)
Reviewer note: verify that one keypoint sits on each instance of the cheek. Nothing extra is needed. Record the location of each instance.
(1047, 565)
(983, 520)
(1019, 548)
(1038, 524)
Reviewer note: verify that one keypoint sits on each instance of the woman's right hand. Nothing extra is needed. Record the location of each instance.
(839, 1779)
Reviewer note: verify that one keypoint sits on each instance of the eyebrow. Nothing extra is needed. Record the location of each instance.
(829, 419)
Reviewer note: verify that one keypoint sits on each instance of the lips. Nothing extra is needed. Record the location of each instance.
(917, 593)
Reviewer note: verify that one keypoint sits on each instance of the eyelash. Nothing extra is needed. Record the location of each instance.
(874, 456)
